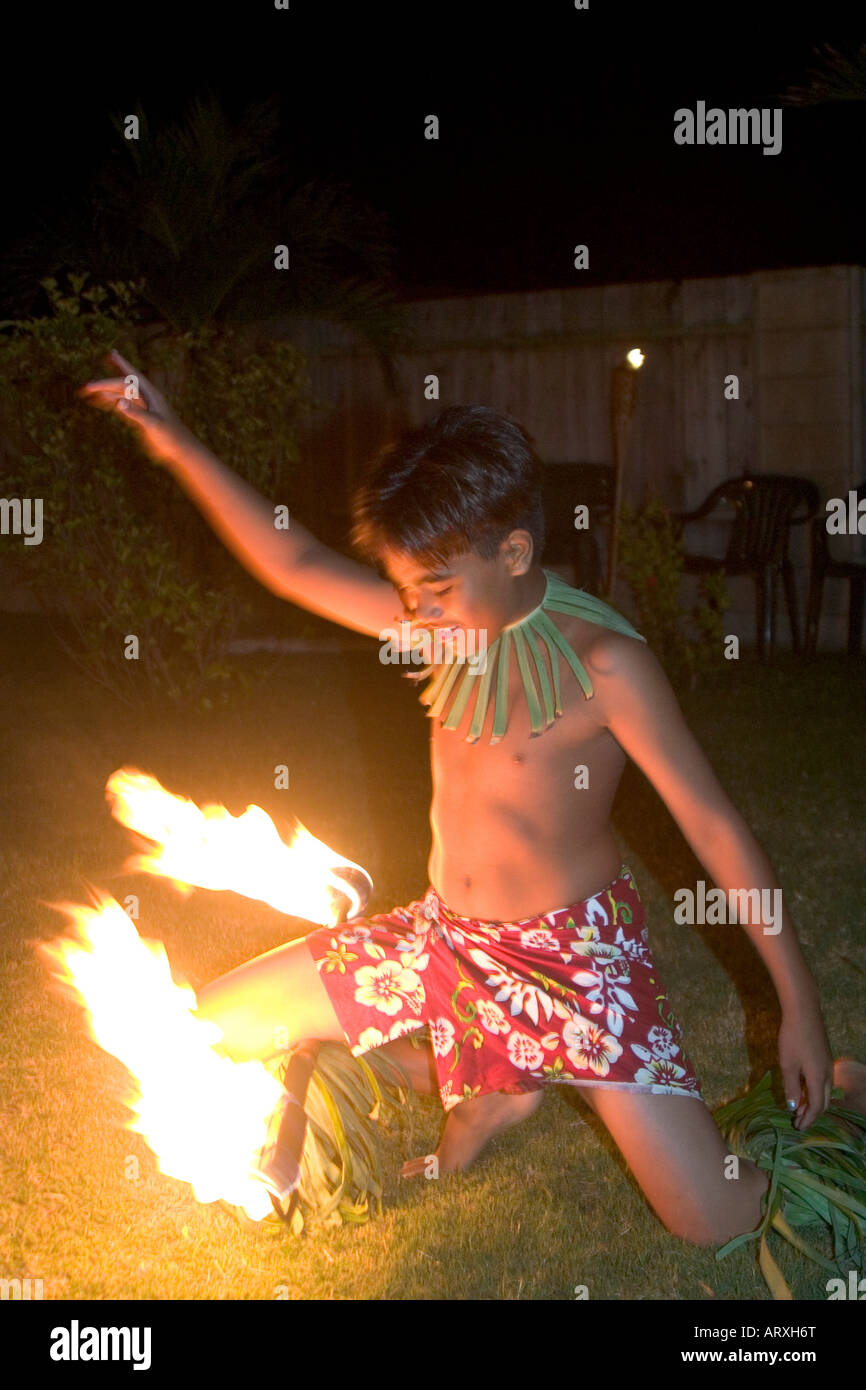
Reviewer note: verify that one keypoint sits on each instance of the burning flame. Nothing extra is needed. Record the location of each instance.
(203, 1115)
(208, 847)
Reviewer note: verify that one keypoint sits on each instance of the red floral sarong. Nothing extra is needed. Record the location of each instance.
(570, 997)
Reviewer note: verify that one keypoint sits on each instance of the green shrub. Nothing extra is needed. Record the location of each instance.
(124, 551)
(651, 561)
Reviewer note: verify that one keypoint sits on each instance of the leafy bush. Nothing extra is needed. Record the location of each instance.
(651, 561)
(124, 551)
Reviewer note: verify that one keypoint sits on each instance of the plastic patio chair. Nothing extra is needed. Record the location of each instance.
(565, 486)
(825, 567)
(766, 506)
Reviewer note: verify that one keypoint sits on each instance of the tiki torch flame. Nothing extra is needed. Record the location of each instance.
(209, 848)
(204, 1116)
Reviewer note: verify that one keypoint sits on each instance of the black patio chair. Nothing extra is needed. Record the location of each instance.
(566, 486)
(766, 506)
(825, 567)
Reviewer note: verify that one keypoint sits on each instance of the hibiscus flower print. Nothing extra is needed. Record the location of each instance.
(662, 1075)
(442, 1036)
(605, 985)
(647, 1056)
(488, 933)
(589, 1047)
(524, 1051)
(448, 1101)
(539, 939)
(371, 1037)
(352, 935)
(450, 935)
(386, 985)
(336, 957)
(605, 957)
(635, 951)
(491, 1016)
(661, 1040)
(470, 1092)
(415, 957)
(400, 1027)
(585, 933)
(523, 996)
(596, 913)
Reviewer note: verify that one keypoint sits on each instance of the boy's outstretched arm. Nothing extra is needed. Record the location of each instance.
(637, 705)
(293, 563)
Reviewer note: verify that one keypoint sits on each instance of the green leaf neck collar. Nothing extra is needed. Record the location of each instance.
(454, 684)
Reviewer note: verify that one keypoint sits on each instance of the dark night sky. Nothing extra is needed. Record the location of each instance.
(557, 126)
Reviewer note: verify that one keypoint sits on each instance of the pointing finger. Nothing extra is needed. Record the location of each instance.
(93, 386)
(115, 358)
(102, 400)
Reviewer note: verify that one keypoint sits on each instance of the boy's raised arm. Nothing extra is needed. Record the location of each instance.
(291, 563)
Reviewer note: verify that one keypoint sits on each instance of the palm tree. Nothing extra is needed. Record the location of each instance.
(838, 77)
(193, 209)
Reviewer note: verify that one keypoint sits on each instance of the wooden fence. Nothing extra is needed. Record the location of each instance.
(792, 339)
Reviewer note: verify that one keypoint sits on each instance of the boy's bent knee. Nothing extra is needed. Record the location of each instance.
(740, 1211)
(699, 1234)
(271, 1005)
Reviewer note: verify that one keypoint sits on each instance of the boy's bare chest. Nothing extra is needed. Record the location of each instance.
(576, 731)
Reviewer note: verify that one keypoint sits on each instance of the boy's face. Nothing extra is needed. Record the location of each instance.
(468, 593)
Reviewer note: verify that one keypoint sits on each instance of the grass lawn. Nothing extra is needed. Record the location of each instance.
(551, 1204)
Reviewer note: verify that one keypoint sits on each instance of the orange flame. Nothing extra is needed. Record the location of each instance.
(208, 847)
(203, 1115)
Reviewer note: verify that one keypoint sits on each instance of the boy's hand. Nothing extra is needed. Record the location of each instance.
(806, 1062)
(148, 413)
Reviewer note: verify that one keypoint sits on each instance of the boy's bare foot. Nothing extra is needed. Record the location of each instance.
(851, 1076)
(470, 1126)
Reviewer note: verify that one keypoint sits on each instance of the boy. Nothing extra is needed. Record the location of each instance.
(527, 958)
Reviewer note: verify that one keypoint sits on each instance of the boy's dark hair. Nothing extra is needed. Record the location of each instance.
(461, 482)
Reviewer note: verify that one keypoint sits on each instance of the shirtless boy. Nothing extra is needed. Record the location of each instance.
(528, 956)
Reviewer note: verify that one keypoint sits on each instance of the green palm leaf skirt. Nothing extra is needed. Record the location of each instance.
(341, 1171)
(817, 1180)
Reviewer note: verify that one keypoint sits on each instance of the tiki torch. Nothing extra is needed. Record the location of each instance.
(623, 399)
